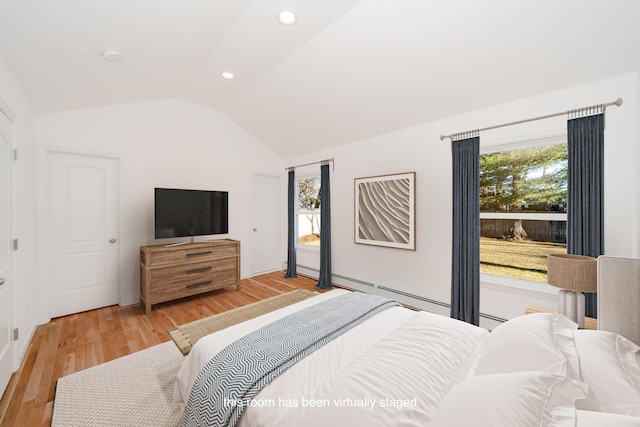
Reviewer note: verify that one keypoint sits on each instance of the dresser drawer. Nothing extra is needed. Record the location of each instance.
(176, 275)
(192, 286)
(186, 255)
(182, 256)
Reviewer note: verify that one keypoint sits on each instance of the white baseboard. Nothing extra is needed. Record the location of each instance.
(405, 298)
(499, 296)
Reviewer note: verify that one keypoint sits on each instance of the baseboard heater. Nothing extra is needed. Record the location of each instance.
(316, 273)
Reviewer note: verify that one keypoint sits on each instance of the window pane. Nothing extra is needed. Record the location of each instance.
(524, 259)
(528, 180)
(309, 197)
(309, 229)
(514, 186)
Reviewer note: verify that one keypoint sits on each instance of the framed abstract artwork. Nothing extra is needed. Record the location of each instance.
(385, 210)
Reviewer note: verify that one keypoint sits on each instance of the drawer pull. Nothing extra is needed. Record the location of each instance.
(198, 270)
(194, 285)
(200, 253)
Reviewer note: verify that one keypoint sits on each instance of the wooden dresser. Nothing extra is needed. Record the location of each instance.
(168, 273)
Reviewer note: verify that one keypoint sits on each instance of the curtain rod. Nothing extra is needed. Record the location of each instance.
(471, 133)
(333, 164)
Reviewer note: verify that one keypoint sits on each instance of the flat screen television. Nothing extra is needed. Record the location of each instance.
(188, 213)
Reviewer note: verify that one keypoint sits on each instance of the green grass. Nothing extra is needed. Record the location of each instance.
(525, 260)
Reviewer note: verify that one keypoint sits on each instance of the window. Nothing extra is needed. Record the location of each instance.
(523, 201)
(309, 196)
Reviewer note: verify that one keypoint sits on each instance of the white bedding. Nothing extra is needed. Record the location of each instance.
(402, 367)
(363, 377)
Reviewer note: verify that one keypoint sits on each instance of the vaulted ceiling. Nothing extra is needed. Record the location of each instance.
(347, 69)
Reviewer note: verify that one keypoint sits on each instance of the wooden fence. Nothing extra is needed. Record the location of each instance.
(543, 231)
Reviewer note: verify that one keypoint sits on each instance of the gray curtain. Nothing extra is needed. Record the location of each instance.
(465, 266)
(291, 228)
(324, 281)
(585, 138)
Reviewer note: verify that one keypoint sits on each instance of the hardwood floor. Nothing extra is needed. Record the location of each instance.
(79, 341)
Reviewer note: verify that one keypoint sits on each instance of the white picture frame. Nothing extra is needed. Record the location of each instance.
(385, 210)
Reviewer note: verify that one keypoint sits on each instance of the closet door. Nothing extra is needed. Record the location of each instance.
(83, 232)
(265, 208)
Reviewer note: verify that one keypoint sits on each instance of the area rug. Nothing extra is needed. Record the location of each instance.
(185, 336)
(137, 390)
(134, 390)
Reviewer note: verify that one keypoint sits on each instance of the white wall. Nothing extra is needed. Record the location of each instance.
(25, 295)
(426, 272)
(167, 143)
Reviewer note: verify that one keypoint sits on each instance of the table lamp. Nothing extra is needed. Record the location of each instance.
(574, 274)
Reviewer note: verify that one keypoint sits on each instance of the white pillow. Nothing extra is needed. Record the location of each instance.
(610, 364)
(520, 399)
(602, 419)
(533, 342)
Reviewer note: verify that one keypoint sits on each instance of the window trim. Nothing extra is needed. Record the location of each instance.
(493, 281)
(554, 137)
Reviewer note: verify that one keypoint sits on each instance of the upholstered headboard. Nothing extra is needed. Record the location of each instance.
(619, 296)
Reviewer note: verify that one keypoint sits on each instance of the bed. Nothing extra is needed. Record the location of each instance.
(401, 367)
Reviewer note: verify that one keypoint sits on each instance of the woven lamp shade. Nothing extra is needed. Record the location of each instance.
(576, 273)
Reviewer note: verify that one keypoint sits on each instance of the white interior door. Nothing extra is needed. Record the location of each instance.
(83, 239)
(6, 209)
(266, 220)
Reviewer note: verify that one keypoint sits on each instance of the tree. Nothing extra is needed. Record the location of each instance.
(518, 231)
(309, 197)
(530, 179)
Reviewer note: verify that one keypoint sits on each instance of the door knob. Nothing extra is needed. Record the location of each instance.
(1, 281)
(255, 229)
(112, 240)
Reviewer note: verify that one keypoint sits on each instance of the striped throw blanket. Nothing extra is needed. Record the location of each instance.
(227, 383)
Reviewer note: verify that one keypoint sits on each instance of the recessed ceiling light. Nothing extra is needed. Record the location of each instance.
(112, 54)
(287, 17)
(228, 75)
